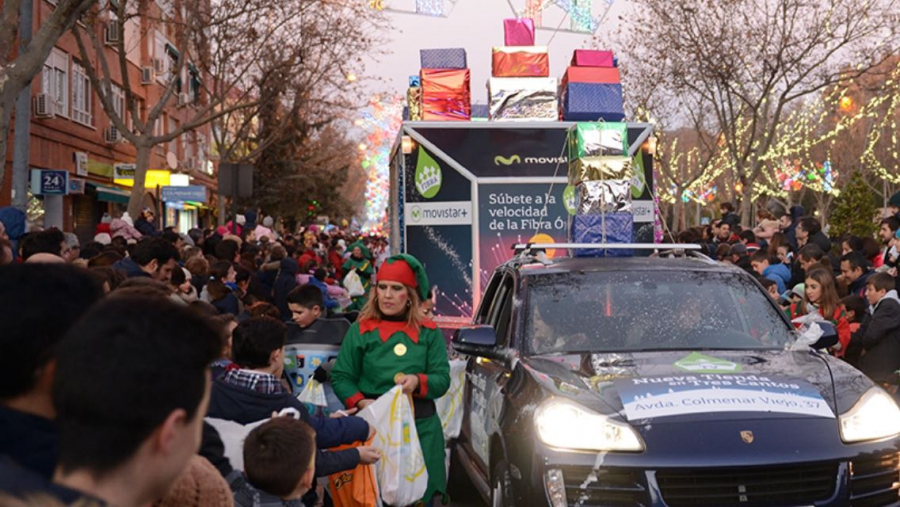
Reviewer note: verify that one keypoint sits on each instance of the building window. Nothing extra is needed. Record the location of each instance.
(81, 95)
(118, 102)
(55, 80)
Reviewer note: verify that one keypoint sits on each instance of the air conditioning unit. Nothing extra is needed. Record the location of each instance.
(44, 106)
(113, 136)
(112, 35)
(147, 75)
(184, 99)
(159, 66)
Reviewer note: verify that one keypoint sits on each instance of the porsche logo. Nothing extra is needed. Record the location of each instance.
(747, 436)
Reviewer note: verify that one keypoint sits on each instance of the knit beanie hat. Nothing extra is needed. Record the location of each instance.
(106, 219)
(268, 222)
(895, 200)
(127, 218)
(103, 238)
(200, 485)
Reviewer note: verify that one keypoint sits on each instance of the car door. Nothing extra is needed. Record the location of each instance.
(486, 377)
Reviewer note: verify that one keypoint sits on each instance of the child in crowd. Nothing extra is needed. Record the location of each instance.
(307, 305)
(879, 334)
(771, 288)
(785, 255)
(279, 464)
(855, 310)
(769, 268)
(821, 297)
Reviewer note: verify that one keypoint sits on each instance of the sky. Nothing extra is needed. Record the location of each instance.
(477, 26)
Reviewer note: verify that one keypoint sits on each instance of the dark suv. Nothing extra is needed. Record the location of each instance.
(671, 381)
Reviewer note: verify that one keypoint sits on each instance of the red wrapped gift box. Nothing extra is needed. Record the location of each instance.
(521, 61)
(592, 75)
(445, 95)
(592, 58)
(518, 32)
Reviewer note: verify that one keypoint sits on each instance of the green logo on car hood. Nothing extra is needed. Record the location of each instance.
(696, 362)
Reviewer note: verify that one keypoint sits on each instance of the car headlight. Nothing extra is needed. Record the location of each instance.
(564, 424)
(875, 416)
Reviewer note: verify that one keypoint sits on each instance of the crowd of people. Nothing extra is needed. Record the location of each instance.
(119, 352)
(849, 281)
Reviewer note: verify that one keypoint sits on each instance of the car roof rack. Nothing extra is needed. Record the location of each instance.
(530, 250)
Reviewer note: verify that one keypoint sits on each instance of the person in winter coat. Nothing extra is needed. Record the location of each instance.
(894, 205)
(821, 297)
(251, 390)
(219, 290)
(770, 268)
(729, 216)
(879, 334)
(144, 224)
(855, 272)
(391, 344)
(809, 231)
(120, 228)
(285, 282)
(788, 223)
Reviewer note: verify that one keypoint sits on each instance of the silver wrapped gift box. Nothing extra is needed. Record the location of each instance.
(523, 98)
(600, 168)
(606, 196)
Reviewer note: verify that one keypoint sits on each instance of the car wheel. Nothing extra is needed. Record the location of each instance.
(501, 489)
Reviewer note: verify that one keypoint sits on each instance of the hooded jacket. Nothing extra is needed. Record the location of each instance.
(879, 336)
(245, 406)
(285, 282)
(780, 274)
(14, 221)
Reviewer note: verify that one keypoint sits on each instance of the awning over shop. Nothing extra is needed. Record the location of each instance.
(109, 193)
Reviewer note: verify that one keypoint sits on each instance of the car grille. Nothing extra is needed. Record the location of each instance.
(769, 485)
(874, 482)
(613, 487)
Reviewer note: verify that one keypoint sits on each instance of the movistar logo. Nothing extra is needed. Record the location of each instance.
(498, 160)
(515, 159)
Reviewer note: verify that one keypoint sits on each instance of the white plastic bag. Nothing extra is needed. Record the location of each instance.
(402, 478)
(353, 284)
(809, 333)
(449, 406)
(313, 393)
(233, 435)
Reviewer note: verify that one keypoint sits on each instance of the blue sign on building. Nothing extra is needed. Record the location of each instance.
(196, 193)
(49, 182)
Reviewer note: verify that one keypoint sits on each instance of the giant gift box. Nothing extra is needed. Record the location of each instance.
(593, 58)
(514, 61)
(523, 98)
(602, 228)
(445, 95)
(592, 75)
(444, 58)
(518, 32)
(592, 102)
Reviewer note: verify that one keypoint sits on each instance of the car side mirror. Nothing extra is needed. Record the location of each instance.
(477, 340)
(829, 336)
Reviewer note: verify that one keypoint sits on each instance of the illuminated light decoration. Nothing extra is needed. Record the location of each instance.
(378, 5)
(380, 122)
(580, 14)
(846, 103)
(351, 77)
(430, 7)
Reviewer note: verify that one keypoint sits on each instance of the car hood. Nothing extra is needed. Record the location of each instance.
(669, 386)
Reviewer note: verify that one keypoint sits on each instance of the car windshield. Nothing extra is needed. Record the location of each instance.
(651, 310)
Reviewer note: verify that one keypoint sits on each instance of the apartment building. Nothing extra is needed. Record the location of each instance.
(70, 130)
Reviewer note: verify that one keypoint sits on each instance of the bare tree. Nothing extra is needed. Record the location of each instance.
(228, 48)
(748, 61)
(19, 65)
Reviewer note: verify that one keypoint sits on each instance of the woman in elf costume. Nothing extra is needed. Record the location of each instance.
(393, 344)
(360, 260)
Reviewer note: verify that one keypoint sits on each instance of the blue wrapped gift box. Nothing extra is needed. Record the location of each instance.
(446, 58)
(592, 101)
(602, 228)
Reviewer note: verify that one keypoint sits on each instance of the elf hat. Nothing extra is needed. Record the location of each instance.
(362, 247)
(405, 269)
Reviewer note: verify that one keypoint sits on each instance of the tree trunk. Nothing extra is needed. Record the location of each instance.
(140, 177)
(746, 205)
(678, 219)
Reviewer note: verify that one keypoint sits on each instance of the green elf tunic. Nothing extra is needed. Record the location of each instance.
(373, 353)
